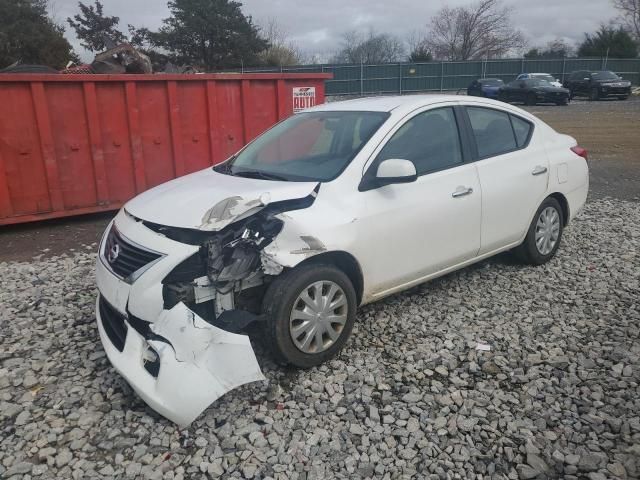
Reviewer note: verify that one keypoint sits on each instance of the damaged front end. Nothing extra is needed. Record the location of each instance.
(172, 323)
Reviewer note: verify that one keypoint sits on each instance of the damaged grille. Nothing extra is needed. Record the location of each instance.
(124, 257)
(113, 324)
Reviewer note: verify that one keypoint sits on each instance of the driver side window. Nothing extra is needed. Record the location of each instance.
(430, 140)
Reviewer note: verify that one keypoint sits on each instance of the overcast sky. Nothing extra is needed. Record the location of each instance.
(316, 25)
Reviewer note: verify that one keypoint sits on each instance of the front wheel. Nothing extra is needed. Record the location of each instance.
(544, 234)
(310, 312)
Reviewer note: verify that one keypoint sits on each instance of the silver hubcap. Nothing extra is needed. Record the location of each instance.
(318, 317)
(547, 230)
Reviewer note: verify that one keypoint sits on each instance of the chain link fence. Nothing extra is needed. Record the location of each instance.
(400, 78)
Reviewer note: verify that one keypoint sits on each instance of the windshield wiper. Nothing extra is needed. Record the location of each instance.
(258, 174)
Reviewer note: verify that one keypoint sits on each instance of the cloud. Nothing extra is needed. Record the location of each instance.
(317, 27)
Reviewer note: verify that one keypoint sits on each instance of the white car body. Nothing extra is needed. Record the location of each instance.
(544, 76)
(399, 235)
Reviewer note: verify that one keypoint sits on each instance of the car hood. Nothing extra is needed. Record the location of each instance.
(209, 201)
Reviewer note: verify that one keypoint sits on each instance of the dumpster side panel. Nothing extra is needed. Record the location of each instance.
(227, 118)
(115, 142)
(157, 148)
(76, 144)
(67, 118)
(194, 130)
(23, 182)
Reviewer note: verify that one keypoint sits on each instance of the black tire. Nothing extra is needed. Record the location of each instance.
(623, 98)
(531, 100)
(594, 94)
(528, 251)
(563, 103)
(502, 98)
(278, 304)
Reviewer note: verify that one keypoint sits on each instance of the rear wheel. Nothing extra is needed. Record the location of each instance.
(310, 313)
(594, 94)
(544, 234)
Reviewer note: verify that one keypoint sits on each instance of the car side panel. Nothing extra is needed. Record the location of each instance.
(569, 173)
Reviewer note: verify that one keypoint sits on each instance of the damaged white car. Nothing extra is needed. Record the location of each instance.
(332, 208)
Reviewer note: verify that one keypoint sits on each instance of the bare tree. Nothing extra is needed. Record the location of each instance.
(370, 48)
(482, 30)
(630, 10)
(281, 51)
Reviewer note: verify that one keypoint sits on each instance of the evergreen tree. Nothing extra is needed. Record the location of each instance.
(28, 35)
(211, 34)
(92, 26)
(615, 41)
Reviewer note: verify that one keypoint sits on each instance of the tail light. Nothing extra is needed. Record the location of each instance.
(581, 152)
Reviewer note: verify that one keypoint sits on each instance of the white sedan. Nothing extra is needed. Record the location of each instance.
(333, 208)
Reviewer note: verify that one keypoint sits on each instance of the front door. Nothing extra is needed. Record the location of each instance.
(427, 226)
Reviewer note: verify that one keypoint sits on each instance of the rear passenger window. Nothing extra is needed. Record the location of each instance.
(522, 128)
(492, 130)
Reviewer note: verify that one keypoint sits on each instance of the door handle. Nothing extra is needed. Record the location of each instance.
(539, 170)
(461, 192)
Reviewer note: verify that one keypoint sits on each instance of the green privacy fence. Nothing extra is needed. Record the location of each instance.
(399, 78)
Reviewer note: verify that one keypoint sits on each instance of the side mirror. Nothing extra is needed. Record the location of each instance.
(390, 171)
(395, 170)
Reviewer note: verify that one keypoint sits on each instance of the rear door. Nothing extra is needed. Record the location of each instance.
(514, 171)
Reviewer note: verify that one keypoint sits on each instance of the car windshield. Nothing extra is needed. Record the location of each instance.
(544, 76)
(605, 76)
(537, 82)
(313, 146)
(491, 82)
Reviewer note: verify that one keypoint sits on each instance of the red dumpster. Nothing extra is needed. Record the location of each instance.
(87, 143)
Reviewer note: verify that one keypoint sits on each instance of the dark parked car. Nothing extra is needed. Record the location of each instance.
(533, 91)
(597, 85)
(485, 87)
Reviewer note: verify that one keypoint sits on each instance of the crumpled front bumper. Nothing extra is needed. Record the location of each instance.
(198, 363)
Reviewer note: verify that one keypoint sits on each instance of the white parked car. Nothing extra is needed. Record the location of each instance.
(333, 208)
(541, 76)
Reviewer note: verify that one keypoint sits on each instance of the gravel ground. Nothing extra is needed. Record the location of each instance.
(411, 396)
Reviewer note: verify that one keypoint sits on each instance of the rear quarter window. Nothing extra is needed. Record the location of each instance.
(522, 129)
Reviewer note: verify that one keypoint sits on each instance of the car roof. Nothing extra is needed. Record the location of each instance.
(388, 104)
